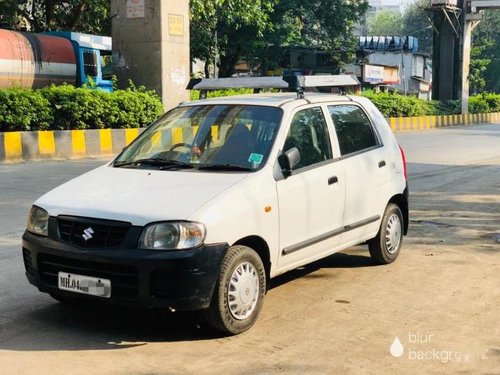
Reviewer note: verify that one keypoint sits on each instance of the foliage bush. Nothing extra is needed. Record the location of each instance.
(493, 101)
(195, 94)
(395, 105)
(478, 104)
(67, 107)
(24, 110)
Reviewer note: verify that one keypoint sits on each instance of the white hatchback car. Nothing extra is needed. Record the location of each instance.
(217, 197)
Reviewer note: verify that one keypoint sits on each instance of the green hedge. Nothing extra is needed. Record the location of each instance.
(395, 105)
(67, 108)
(195, 94)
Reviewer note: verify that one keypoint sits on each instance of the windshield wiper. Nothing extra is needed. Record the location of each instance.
(223, 167)
(162, 163)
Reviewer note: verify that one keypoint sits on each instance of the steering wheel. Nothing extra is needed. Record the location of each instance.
(181, 144)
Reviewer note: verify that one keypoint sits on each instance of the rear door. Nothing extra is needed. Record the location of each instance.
(367, 170)
(311, 200)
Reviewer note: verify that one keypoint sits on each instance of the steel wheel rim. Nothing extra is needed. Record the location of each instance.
(243, 291)
(393, 234)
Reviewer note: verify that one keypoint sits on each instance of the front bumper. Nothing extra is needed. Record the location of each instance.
(183, 280)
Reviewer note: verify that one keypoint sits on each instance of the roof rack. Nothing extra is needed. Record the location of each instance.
(296, 83)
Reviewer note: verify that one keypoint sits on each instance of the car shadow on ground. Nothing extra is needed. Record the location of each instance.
(356, 257)
(56, 326)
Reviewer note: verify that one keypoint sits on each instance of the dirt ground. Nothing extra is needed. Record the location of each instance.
(341, 315)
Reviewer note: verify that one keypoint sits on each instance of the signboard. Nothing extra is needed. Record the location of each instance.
(135, 8)
(391, 75)
(373, 74)
(175, 25)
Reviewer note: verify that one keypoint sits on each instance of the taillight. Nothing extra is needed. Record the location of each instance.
(405, 171)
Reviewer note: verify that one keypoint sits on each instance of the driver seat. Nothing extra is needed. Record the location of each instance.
(237, 147)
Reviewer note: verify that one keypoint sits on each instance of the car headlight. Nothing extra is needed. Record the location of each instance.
(38, 221)
(172, 236)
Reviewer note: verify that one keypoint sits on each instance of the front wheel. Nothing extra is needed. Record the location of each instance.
(239, 292)
(386, 245)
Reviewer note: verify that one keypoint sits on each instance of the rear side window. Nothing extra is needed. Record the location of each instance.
(354, 131)
(309, 133)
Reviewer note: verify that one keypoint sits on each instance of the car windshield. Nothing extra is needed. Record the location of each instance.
(217, 137)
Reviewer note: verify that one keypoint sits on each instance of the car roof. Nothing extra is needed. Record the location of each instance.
(272, 100)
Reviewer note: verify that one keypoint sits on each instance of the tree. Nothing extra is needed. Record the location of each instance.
(324, 24)
(413, 22)
(416, 23)
(223, 29)
(88, 16)
(385, 23)
(259, 30)
(485, 62)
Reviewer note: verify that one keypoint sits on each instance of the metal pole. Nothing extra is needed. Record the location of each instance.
(403, 72)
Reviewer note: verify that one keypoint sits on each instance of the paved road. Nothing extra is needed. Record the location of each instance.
(339, 315)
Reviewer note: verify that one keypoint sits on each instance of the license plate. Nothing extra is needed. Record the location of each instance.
(84, 284)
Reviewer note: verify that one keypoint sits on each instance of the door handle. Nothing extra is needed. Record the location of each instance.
(381, 164)
(333, 180)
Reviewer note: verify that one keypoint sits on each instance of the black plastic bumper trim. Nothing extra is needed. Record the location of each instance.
(183, 280)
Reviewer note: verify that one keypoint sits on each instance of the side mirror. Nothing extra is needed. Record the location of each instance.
(289, 160)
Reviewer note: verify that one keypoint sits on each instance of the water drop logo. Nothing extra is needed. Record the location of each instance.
(397, 348)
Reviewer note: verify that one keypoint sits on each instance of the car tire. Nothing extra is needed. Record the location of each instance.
(239, 292)
(385, 246)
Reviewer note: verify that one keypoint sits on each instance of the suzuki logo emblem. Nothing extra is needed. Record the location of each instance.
(88, 234)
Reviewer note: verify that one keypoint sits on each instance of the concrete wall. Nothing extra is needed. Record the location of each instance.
(151, 46)
(73, 144)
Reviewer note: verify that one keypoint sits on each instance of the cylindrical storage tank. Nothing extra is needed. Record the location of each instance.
(35, 60)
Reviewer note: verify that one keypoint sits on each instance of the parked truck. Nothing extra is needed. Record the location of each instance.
(37, 60)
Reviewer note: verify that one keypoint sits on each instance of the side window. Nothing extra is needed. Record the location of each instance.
(90, 64)
(354, 130)
(308, 132)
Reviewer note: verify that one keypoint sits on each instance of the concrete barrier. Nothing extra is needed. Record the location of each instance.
(64, 144)
(74, 144)
(431, 122)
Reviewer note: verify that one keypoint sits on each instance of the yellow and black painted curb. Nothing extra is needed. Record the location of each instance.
(64, 144)
(431, 122)
(74, 144)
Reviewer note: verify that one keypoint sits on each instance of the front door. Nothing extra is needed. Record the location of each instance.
(311, 200)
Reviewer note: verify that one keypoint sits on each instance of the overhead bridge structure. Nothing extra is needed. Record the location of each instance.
(453, 22)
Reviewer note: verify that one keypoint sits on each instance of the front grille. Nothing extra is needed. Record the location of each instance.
(28, 263)
(124, 278)
(165, 284)
(90, 233)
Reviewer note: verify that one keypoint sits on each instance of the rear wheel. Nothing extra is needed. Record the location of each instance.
(239, 292)
(386, 245)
